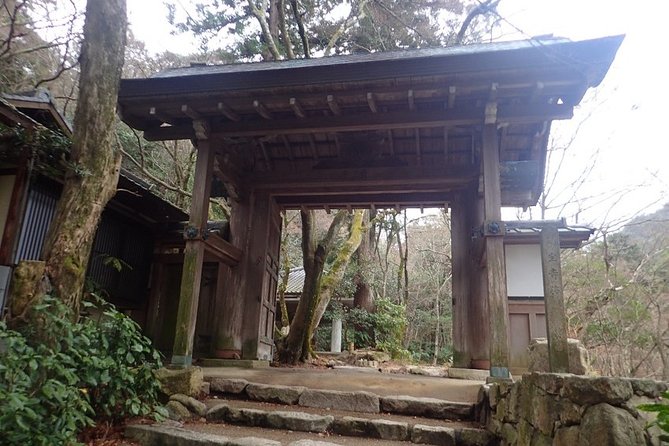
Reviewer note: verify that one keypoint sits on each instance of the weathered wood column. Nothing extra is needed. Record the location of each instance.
(461, 241)
(182, 353)
(493, 230)
(228, 341)
(556, 321)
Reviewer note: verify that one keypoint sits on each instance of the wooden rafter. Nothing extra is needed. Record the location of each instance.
(379, 121)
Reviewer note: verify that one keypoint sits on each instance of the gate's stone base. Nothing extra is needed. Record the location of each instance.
(569, 410)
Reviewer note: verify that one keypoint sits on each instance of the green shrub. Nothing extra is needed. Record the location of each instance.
(389, 327)
(56, 375)
(662, 410)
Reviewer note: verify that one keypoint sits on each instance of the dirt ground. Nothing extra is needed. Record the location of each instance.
(365, 379)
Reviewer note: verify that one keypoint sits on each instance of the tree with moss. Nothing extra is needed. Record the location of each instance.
(94, 163)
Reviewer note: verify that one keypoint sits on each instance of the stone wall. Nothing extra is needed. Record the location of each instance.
(569, 410)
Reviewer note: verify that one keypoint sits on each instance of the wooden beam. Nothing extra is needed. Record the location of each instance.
(408, 178)
(314, 149)
(446, 143)
(419, 152)
(182, 353)
(494, 253)
(379, 121)
(556, 319)
(190, 112)
(265, 155)
(297, 108)
(451, 96)
(334, 107)
(228, 112)
(391, 142)
(371, 101)
(262, 110)
(411, 100)
(223, 250)
(362, 200)
(536, 92)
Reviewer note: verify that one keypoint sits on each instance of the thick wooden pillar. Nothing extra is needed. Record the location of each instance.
(182, 353)
(228, 341)
(461, 252)
(556, 321)
(494, 250)
(478, 313)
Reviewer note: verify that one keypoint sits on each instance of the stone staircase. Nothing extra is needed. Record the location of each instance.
(323, 417)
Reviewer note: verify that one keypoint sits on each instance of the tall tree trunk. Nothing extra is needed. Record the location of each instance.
(296, 347)
(332, 279)
(94, 165)
(363, 298)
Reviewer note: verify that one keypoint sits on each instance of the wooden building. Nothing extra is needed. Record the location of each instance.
(464, 127)
(132, 224)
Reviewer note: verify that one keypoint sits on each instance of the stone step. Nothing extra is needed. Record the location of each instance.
(199, 435)
(210, 435)
(437, 433)
(360, 401)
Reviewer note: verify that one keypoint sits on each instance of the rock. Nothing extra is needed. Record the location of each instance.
(247, 417)
(227, 385)
(437, 435)
(587, 391)
(509, 433)
(220, 412)
(299, 421)
(647, 387)
(605, 425)
(186, 381)
(566, 436)
(579, 363)
(205, 389)
(193, 405)
(177, 411)
(363, 427)
(332, 399)
(436, 372)
(274, 394)
(473, 437)
(469, 374)
(426, 407)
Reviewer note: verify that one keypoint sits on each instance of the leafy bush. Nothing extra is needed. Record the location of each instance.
(56, 375)
(662, 410)
(359, 327)
(389, 327)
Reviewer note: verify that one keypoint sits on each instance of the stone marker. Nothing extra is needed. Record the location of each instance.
(186, 381)
(538, 356)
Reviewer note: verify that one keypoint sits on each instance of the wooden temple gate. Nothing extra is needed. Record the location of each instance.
(461, 127)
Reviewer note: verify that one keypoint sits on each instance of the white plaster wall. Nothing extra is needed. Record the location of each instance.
(523, 271)
(6, 187)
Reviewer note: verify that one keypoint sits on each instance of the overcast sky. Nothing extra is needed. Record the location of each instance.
(623, 134)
